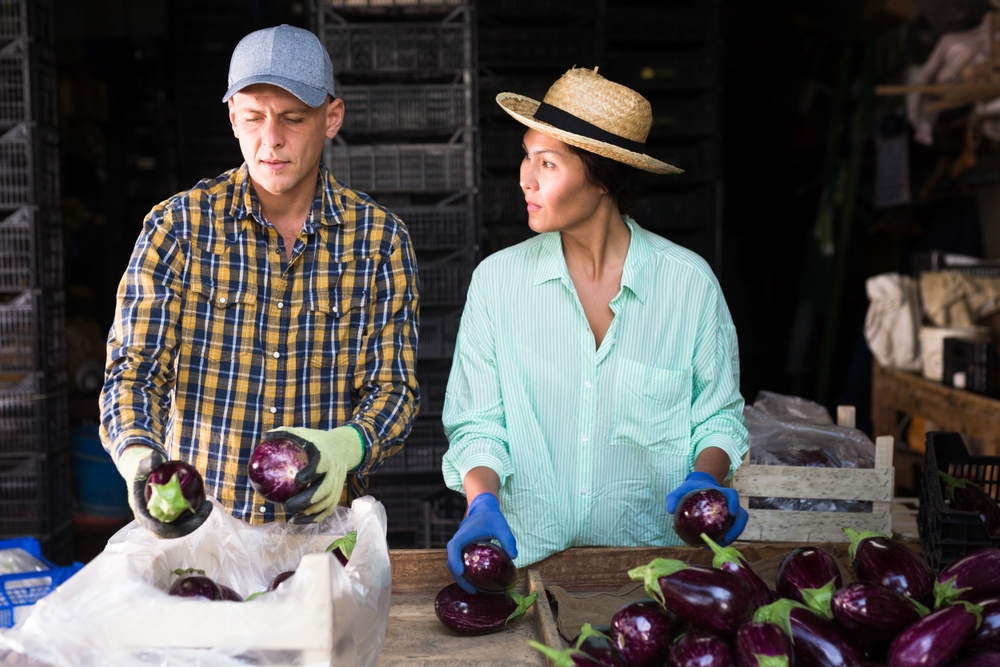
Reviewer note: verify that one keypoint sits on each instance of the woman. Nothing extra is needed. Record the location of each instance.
(596, 371)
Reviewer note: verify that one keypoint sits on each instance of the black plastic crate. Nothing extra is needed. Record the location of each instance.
(503, 200)
(699, 162)
(687, 117)
(692, 23)
(543, 47)
(423, 450)
(664, 212)
(433, 378)
(438, 333)
(971, 366)
(444, 510)
(404, 506)
(29, 167)
(373, 48)
(58, 545)
(444, 284)
(33, 414)
(439, 227)
(946, 534)
(500, 144)
(402, 167)
(682, 70)
(391, 108)
(36, 494)
(31, 250)
(33, 332)
(550, 8)
(13, 19)
(28, 88)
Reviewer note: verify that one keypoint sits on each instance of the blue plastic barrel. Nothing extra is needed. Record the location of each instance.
(99, 489)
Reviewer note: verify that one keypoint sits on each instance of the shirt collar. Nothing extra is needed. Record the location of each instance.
(326, 206)
(552, 263)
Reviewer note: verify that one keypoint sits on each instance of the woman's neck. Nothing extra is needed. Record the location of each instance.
(599, 245)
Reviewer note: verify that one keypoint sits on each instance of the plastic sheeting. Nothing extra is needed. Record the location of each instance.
(116, 611)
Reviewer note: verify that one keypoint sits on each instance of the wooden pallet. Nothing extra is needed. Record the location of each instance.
(867, 484)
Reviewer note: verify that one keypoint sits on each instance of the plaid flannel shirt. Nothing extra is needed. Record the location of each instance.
(219, 337)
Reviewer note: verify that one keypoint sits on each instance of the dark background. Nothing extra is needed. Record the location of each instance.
(140, 86)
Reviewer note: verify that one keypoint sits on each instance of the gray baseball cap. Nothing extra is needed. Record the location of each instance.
(284, 56)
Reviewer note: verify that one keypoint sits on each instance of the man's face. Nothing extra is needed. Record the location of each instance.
(281, 138)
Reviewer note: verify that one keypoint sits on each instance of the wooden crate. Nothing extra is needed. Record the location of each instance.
(865, 484)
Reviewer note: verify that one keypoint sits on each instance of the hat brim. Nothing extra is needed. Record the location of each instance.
(522, 109)
(314, 97)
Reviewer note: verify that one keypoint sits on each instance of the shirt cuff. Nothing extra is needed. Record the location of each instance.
(726, 444)
(129, 438)
(474, 455)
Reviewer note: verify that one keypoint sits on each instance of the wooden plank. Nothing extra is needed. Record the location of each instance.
(548, 632)
(819, 483)
(846, 415)
(883, 459)
(952, 409)
(791, 526)
(419, 570)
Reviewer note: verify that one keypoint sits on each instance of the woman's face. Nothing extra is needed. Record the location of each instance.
(559, 197)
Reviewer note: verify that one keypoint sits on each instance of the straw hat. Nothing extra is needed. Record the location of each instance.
(586, 110)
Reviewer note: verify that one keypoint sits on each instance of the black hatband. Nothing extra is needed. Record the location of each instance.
(563, 120)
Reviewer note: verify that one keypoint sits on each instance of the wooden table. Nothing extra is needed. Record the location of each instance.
(951, 409)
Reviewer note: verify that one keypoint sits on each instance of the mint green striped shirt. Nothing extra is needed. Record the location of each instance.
(587, 443)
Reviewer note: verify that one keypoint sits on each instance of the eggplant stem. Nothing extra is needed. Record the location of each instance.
(166, 501)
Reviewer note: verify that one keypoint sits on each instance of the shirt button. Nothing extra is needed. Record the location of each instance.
(584, 491)
(587, 384)
(280, 305)
(222, 299)
(586, 438)
(273, 410)
(262, 509)
(276, 355)
(334, 309)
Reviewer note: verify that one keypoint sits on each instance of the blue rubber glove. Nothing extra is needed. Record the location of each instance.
(484, 521)
(702, 480)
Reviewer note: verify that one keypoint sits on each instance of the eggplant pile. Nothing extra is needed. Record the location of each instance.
(897, 613)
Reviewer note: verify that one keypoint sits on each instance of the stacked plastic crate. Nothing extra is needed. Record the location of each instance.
(406, 72)
(35, 465)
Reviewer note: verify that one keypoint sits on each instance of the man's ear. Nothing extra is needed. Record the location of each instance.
(334, 116)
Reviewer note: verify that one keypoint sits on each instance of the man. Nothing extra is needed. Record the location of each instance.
(271, 300)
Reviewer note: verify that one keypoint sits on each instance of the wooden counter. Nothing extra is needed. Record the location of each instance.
(952, 409)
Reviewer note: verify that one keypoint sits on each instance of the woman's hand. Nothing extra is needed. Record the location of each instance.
(698, 480)
(484, 521)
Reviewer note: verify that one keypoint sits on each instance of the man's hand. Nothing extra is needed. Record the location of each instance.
(136, 464)
(332, 454)
(483, 521)
(702, 480)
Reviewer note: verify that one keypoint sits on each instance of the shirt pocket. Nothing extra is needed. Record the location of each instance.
(339, 320)
(219, 322)
(652, 407)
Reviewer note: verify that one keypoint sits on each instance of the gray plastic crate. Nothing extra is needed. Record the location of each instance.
(36, 493)
(33, 410)
(389, 47)
(438, 333)
(29, 167)
(33, 332)
(402, 167)
(13, 19)
(31, 250)
(503, 200)
(444, 284)
(19, 75)
(414, 107)
(438, 227)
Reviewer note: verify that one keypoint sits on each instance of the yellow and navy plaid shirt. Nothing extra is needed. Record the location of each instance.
(219, 337)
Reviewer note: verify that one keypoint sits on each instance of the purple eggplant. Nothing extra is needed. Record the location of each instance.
(702, 511)
(731, 560)
(964, 495)
(596, 645)
(642, 631)
(479, 613)
(173, 491)
(343, 547)
(987, 637)
(973, 576)
(229, 594)
(937, 638)
(705, 598)
(874, 614)
(194, 584)
(879, 558)
(488, 567)
(273, 466)
(700, 648)
(808, 575)
(979, 660)
(763, 645)
(280, 577)
(816, 641)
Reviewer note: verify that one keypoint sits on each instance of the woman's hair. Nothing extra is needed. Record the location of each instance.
(621, 181)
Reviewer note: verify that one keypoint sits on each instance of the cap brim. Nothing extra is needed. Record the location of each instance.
(314, 97)
(522, 109)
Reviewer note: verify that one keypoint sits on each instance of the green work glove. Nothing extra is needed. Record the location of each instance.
(332, 454)
(128, 467)
(136, 464)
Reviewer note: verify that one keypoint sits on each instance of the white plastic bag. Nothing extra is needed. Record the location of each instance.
(116, 611)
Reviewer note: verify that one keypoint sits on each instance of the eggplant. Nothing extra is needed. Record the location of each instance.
(964, 495)
(700, 648)
(763, 645)
(987, 637)
(173, 491)
(879, 558)
(705, 598)
(642, 631)
(702, 511)
(816, 641)
(937, 638)
(595, 645)
(273, 466)
(479, 613)
(229, 594)
(280, 577)
(808, 575)
(874, 614)
(732, 561)
(343, 547)
(973, 576)
(979, 660)
(194, 584)
(488, 567)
